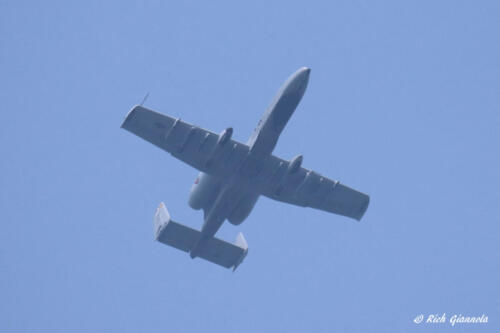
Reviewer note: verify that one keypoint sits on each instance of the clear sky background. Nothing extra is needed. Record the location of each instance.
(403, 104)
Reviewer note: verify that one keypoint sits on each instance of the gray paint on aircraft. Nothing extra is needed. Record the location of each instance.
(233, 175)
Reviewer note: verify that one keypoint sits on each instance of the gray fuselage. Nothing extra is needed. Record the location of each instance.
(231, 197)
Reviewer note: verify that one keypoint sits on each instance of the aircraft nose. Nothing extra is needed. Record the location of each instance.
(302, 74)
(302, 78)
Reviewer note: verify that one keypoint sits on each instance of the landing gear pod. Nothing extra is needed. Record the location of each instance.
(295, 164)
(225, 136)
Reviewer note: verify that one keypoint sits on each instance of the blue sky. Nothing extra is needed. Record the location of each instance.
(402, 103)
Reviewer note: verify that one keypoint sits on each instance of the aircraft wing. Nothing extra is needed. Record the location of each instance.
(307, 188)
(198, 148)
(190, 144)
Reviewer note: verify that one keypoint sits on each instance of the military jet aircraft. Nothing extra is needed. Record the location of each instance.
(233, 175)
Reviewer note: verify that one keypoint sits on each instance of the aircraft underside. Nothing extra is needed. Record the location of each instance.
(233, 175)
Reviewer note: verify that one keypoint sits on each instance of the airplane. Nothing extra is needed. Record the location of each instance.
(233, 175)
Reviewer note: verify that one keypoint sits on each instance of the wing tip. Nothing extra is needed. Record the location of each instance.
(129, 116)
(363, 209)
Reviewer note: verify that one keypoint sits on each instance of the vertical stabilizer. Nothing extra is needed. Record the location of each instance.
(161, 219)
(241, 243)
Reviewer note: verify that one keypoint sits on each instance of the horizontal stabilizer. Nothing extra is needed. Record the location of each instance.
(184, 238)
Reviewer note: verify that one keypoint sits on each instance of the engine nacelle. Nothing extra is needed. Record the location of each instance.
(243, 208)
(295, 164)
(203, 191)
